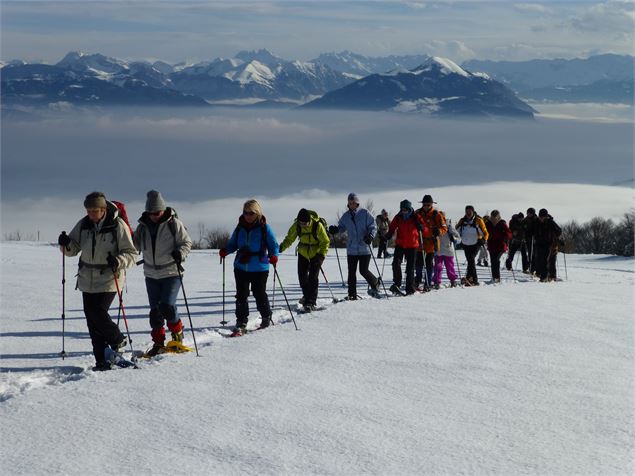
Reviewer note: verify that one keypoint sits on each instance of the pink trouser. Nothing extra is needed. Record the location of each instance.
(439, 262)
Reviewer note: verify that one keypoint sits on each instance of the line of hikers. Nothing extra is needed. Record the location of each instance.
(424, 238)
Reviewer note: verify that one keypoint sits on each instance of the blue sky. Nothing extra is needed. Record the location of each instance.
(196, 31)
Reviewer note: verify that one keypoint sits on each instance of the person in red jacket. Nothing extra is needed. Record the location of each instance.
(408, 225)
(497, 242)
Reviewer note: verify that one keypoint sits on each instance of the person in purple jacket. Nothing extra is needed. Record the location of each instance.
(256, 247)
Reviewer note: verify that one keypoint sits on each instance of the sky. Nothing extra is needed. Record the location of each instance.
(196, 31)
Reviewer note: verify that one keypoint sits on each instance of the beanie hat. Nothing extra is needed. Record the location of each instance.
(303, 216)
(383, 211)
(154, 202)
(469, 207)
(543, 212)
(95, 200)
(405, 204)
(531, 211)
(352, 197)
(427, 199)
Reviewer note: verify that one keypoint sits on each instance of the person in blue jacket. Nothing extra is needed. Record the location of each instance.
(360, 227)
(256, 247)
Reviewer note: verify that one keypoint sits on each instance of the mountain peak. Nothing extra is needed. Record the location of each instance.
(263, 56)
(442, 65)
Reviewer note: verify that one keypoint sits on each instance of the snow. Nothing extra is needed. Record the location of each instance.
(255, 72)
(446, 66)
(512, 378)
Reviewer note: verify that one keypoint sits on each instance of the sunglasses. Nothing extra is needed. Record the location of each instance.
(245, 212)
(154, 214)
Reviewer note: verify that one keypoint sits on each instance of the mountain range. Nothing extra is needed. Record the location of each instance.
(264, 79)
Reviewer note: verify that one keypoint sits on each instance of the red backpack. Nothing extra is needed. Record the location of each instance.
(123, 214)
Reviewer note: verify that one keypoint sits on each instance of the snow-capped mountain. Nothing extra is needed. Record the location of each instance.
(359, 65)
(263, 56)
(235, 78)
(94, 64)
(438, 86)
(600, 78)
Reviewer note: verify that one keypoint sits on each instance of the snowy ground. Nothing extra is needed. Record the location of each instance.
(516, 378)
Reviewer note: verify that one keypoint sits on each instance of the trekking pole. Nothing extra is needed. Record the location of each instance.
(273, 293)
(491, 275)
(377, 266)
(338, 261)
(458, 268)
(180, 270)
(513, 272)
(275, 270)
(123, 311)
(328, 285)
(425, 269)
(63, 353)
(531, 256)
(223, 322)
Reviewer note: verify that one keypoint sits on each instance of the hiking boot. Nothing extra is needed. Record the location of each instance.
(156, 349)
(266, 321)
(301, 301)
(237, 332)
(309, 307)
(352, 297)
(177, 336)
(102, 366)
(437, 286)
(374, 292)
(395, 289)
(453, 284)
(119, 348)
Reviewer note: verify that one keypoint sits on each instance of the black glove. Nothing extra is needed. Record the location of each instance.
(112, 262)
(334, 230)
(320, 258)
(387, 236)
(63, 239)
(481, 242)
(176, 254)
(368, 239)
(435, 231)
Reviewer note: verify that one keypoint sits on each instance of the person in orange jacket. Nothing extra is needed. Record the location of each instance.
(434, 227)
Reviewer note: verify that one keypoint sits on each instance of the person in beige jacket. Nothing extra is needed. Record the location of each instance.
(106, 248)
(164, 242)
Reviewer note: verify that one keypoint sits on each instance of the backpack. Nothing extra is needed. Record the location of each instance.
(314, 227)
(123, 214)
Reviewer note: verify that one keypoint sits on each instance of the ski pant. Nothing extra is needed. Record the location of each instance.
(409, 255)
(439, 262)
(364, 262)
(470, 255)
(308, 276)
(545, 261)
(429, 262)
(162, 294)
(103, 332)
(495, 263)
(513, 248)
(382, 247)
(531, 254)
(258, 283)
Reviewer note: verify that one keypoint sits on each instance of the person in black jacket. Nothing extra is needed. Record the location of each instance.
(546, 241)
(517, 242)
(529, 228)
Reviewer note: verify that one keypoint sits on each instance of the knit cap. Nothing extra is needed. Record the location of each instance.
(405, 204)
(352, 197)
(95, 200)
(154, 202)
(303, 216)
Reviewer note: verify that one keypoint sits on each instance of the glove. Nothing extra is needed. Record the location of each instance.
(387, 236)
(273, 259)
(334, 229)
(320, 258)
(223, 252)
(435, 231)
(176, 254)
(481, 242)
(64, 239)
(112, 261)
(368, 239)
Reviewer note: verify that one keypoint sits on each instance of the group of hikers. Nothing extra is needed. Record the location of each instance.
(424, 238)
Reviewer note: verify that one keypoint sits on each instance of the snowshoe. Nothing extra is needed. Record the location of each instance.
(177, 347)
(396, 290)
(374, 292)
(157, 349)
(237, 332)
(115, 358)
(102, 366)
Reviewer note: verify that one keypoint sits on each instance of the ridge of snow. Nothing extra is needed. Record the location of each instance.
(444, 65)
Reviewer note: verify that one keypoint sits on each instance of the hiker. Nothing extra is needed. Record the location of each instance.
(408, 226)
(547, 239)
(517, 242)
(383, 222)
(497, 240)
(444, 257)
(256, 247)
(473, 235)
(360, 228)
(529, 227)
(482, 251)
(309, 228)
(103, 241)
(164, 242)
(435, 227)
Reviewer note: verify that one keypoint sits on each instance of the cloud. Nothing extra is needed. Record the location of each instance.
(532, 8)
(614, 18)
(455, 50)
